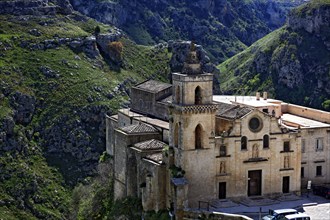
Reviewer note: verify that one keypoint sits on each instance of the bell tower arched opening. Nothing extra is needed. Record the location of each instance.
(198, 96)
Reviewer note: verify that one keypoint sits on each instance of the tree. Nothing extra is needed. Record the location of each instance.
(97, 30)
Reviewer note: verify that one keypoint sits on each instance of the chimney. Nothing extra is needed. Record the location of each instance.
(265, 95)
(258, 96)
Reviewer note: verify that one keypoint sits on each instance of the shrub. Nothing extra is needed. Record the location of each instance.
(326, 104)
(115, 50)
(97, 30)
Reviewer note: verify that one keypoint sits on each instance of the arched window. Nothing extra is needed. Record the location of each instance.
(176, 135)
(198, 137)
(243, 143)
(198, 96)
(177, 94)
(266, 141)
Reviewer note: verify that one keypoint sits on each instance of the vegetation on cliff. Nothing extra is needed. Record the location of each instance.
(56, 84)
(292, 63)
(223, 27)
(58, 80)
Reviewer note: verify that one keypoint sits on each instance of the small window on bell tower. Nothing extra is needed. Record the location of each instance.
(198, 96)
(198, 137)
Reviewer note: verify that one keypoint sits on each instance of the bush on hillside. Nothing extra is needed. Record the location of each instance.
(115, 51)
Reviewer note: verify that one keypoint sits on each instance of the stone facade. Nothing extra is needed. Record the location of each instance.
(262, 153)
(180, 146)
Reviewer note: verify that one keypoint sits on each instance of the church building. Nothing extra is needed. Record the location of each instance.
(179, 145)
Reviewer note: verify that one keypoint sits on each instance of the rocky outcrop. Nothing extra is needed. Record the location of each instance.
(64, 6)
(24, 106)
(80, 44)
(213, 23)
(103, 41)
(80, 139)
(35, 7)
(292, 63)
(315, 20)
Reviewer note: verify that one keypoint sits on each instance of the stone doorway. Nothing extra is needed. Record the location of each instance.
(286, 184)
(222, 190)
(254, 183)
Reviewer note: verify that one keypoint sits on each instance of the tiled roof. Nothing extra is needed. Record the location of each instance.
(231, 111)
(223, 107)
(139, 128)
(156, 157)
(150, 145)
(153, 86)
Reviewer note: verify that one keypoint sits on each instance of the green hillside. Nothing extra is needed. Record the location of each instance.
(55, 90)
(291, 63)
(223, 27)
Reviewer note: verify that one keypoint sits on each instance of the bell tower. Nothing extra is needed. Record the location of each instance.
(192, 125)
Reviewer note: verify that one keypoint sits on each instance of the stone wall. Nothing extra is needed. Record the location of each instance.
(111, 125)
(306, 112)
(124, 165)
(187, 90)
(270, 160)
(313, 157)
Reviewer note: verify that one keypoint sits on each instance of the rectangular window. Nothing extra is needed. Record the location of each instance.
(319, 144)
(302, 173)
(286, 146)
(243, 143)
(303, 146)
(319, 171)
(223, 151)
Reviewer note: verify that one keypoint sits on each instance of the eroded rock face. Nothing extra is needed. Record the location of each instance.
(313, 22)
(24, 107)
(212, 23)
(293, 62)
(103, 40)
(81, 139)
(106, 12)
(35, 7)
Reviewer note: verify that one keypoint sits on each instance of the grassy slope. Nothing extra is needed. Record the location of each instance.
(256, 68)
(20, 71)
(234, 71)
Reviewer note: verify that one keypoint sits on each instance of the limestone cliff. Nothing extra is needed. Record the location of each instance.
(57, 81)
(223, 27)
(292, 63)
(35, 7)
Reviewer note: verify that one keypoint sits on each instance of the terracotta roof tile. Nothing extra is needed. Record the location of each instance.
(150, 145)
(139, 128)
(232, 111)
